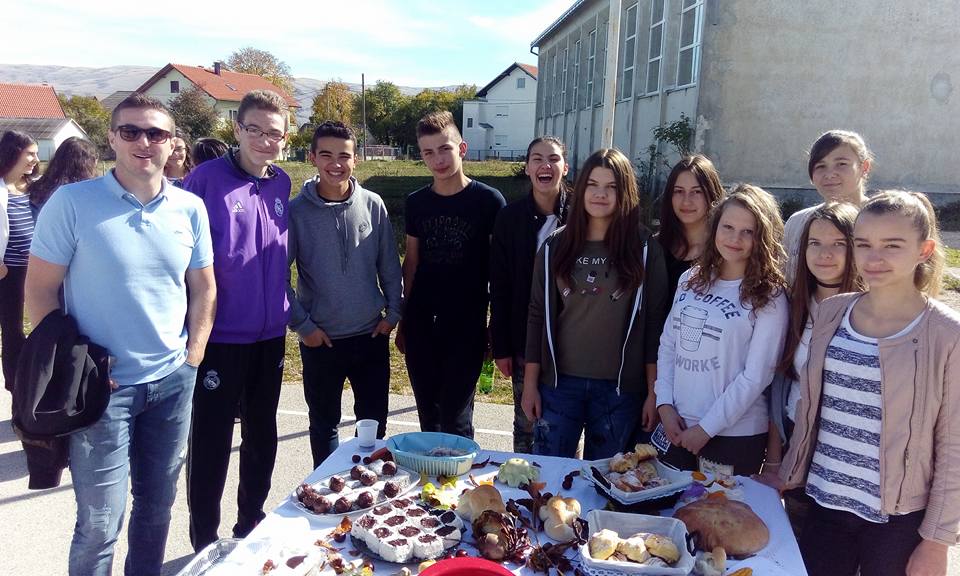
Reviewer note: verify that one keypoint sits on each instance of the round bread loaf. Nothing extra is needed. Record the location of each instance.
(726, 523)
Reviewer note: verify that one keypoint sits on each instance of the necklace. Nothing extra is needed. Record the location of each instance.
(837, 285)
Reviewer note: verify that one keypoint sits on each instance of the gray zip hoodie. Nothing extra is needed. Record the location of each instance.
(347, 264)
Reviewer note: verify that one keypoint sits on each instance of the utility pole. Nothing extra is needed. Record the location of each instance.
(363, 113)
(610, 76)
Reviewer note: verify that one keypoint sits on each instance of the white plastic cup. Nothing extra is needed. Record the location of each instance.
(367, 433)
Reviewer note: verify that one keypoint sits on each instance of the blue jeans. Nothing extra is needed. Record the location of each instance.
(143, 435)
(584, 405)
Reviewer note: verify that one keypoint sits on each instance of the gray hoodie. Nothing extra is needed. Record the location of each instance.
(347, 264)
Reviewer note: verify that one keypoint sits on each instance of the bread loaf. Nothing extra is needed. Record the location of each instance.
(729, 524)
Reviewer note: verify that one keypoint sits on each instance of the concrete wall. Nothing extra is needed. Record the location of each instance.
(637, 110)
(775, 75)
(510, 112)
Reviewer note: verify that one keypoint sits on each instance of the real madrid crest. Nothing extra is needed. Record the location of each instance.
(278, 206)
(212, 380)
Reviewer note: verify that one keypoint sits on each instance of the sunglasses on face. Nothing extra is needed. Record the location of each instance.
(131, 133)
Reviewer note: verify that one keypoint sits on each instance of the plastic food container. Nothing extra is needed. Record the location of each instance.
(410, 451)
(627, 525)
(678, 481)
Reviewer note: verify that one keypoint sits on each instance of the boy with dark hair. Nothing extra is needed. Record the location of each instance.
(246, 198)
(347, 299)
(445, 272)
(131, 257)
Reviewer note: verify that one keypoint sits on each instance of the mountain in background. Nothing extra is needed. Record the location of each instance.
(102, 82)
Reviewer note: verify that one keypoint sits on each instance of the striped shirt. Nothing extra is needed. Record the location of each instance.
(21, 230)
(845, 472)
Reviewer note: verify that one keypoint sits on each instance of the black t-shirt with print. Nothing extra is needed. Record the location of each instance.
(454, 249)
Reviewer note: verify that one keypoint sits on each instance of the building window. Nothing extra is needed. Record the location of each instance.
(469, 122)
(499, 139)
(629, 53)
(591, 66)
(521, 83)
(556, 89)
(655, 52)
(563, 82)
(502, 111)
(233, 115)
(174, 86)
(602, 63)
(576, 75)
(688, 64)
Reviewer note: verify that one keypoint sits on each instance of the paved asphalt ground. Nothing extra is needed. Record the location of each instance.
(36, 526)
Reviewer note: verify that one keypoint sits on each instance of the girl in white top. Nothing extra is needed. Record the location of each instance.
(723, 340)
(839, 165)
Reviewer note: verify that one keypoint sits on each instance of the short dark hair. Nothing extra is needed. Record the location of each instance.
(140, 101)
(264, 100)
(332, 129)
(206, 149)
(436, 122)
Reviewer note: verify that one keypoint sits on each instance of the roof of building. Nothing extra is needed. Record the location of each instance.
(38, 128)
(111, 101)
(227, 85)
(556, 23)
(29, 101)
(528, 68)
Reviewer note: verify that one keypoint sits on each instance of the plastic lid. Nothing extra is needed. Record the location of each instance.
(466, 565)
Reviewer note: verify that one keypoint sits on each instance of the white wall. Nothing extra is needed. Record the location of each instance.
(637, 112)
(161, 91)
(47, 146)
(509, 110)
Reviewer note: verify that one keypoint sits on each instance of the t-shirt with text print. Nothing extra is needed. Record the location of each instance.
(453, 234)
(594, 312)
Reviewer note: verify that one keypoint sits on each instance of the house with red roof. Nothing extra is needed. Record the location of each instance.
(225, 88)
(499, 122)
(35, 110)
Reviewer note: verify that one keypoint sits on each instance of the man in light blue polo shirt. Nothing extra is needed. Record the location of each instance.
(125, 248)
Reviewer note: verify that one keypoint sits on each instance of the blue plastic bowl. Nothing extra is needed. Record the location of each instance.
(409, 450)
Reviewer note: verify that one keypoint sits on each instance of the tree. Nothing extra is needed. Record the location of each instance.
(224, 131)
(194, 113)
(250, 60)
(91, 116)
(430, 101)
(333, 102)
(384, 104)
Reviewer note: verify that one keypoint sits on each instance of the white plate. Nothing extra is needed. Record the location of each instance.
(409, 482)
(678, 481)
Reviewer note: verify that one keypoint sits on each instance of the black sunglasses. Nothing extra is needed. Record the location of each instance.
(132, 133)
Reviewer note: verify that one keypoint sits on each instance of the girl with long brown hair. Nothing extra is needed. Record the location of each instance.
(596, 310)
(723, 340)
(692, 192)
(825, 268)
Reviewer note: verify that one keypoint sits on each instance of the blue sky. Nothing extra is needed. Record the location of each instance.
(408, 42)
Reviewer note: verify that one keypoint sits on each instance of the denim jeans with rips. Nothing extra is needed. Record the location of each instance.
(586, 405)
(143, 436)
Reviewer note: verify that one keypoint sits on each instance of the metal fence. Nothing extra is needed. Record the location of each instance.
(506, 155)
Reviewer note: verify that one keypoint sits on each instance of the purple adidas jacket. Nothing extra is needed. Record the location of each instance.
(248, 223)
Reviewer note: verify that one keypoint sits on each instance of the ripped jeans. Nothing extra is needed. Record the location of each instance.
(142, 435)
(585, 405)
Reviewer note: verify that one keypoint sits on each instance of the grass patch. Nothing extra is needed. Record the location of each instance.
(394, 181)
(953, 257)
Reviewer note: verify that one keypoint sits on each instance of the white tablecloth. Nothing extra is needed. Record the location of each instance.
(289, 527)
